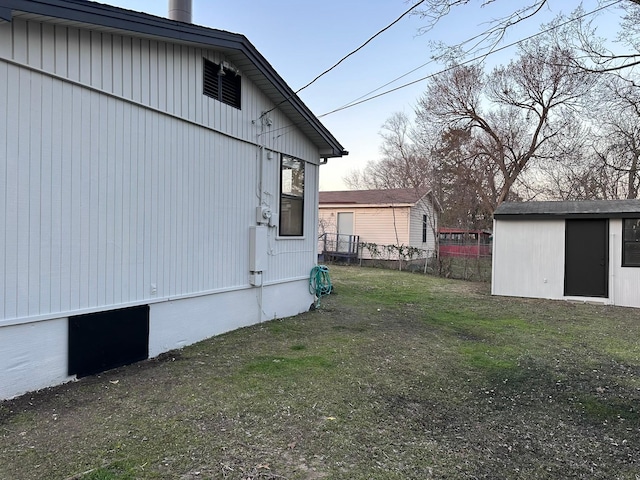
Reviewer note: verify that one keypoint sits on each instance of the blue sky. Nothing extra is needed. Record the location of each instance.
(302, 39)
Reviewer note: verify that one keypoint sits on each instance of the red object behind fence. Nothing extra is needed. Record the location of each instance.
(457, 242)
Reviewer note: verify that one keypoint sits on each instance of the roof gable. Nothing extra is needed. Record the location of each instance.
(237, 48)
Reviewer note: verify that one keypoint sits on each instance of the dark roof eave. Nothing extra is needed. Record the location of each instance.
(564, 216)
(5, 14)
(141, 23)
(333, 153)
(583, 209)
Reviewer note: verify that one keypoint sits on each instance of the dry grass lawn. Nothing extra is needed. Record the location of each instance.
(396, 376)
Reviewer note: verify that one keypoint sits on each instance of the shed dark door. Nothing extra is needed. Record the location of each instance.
(586, 258)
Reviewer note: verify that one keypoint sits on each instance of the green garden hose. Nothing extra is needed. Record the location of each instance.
(319, 282)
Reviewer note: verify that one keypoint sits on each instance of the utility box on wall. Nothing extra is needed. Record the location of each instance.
(257, 253)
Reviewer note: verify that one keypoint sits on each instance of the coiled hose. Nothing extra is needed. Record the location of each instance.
(319, 283)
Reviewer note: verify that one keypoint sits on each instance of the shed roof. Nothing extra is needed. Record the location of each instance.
(236, 47)
(569, 209)
(406, 196)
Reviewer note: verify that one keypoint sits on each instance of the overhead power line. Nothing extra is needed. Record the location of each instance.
(348, 55)
(361, 46)
(358, 101)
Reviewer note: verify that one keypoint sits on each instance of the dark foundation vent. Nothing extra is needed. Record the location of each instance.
(105, 340)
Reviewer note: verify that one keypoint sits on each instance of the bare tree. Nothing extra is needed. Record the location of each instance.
(617, 143)
(404, 163)
(580, 32)
(433, 11)
(597, 156)
(513, 113)
(569, 174)
(358, 179)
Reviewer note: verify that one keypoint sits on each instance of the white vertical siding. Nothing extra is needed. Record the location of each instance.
(116, 175)
(528, 258)
(161, 75)
(290, 258)
(111, 197)
(106, 195)
(62, 48)
(18, 50)
(158, 74)
(72, 52)
(6, 43)
(624, 281)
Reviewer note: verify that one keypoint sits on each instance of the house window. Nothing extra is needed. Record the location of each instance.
(631, 242)
(424, 229)
(291, 196)
(221, 83)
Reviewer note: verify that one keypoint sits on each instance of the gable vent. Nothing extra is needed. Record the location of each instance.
(221, 83)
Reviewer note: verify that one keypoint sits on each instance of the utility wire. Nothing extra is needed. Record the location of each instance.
(361, 46)
(358, 101)
(347, 56)
(387, 84)
(471, 60)
(480, 37)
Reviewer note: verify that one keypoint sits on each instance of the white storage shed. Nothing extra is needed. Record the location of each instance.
(580, 250)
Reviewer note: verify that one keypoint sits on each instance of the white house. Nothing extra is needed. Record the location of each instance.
(401, 216)
(158, 185)
(587, 250)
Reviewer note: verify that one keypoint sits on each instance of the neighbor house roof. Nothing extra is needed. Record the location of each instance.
(573, 209)
(236, 47)
(394, 196)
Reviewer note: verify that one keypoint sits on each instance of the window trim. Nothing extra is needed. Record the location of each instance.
(625, 241)
(301, 198)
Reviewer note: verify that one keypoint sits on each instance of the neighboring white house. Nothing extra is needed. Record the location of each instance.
(403, 216)
(158, 185)
(586, 250)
